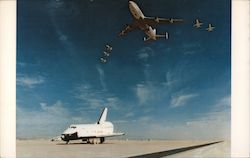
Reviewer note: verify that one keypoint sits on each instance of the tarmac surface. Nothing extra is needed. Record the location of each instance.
(123, 148)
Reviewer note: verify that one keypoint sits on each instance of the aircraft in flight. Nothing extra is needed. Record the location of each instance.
(109, 47)
(197, 24)
(106, 53)
(210, 28)
(103, 60)
(91, 133)
(145, 24)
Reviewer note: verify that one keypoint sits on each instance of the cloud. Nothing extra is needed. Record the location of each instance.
(144, 53)
(191, 48)
(56, 9)
(21, 64)
(143, 56)
(96, 99)
(46, 121)
(129, 114)
(170, 79)
(213, 124)
(28, 81)
(223, 103)
(63, 37)
(181, 100)
(217, 120)
(144, 119)
(150, 92)
(142, 93)
(93, 98)
(56, 109)
(101, 77)
(113, 102)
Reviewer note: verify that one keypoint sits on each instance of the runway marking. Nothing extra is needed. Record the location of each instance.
(172, 152)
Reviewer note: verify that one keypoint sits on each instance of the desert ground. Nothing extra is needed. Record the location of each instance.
(120, 148)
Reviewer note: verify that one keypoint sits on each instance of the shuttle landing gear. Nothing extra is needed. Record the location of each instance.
(96, 140)
(67, 142)
(93, 141)
(102, 139)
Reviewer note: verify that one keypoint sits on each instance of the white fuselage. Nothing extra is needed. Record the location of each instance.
(138, 15)
(135, 10)
(88, 130)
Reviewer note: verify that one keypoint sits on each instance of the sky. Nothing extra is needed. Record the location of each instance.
(178, 88)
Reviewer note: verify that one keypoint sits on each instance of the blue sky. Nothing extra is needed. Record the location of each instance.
(167, 89)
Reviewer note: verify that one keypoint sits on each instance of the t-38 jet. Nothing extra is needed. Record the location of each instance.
(197, 24)
(210, 28)
(145, 24)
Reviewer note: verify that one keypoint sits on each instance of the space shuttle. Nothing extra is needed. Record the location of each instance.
(91, 133)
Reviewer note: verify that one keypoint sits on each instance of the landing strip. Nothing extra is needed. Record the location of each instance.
(122, 148)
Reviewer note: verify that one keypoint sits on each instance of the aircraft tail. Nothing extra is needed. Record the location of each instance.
(162, 36)
(103, 116)
(155, 37)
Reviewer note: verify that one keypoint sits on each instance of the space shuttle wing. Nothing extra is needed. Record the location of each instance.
(155, 20)
(112, 135)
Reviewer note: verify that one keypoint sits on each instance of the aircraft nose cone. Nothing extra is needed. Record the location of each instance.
(68, 131)
(130, 2)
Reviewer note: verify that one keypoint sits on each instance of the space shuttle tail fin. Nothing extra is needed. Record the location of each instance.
(103, 116)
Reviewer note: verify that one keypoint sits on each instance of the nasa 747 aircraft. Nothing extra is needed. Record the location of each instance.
(92, 133)
(145, 24)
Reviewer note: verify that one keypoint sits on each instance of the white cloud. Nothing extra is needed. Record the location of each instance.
(150, 92)
(22, 64)
(181, 100)
(143, 56)
(129, 114)
(28, 81)
(56, 8)
(63, 37)
(214, 124)
(223, 103)
(191, 48)
(56, 109)
(101, 77)
(170, 79)
(189, 52)
(96, 99)
(142, 93)
(144, 119)
(144, 53)
(113, 102)
(47, 121)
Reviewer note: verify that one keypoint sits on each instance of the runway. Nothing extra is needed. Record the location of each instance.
(123, 148)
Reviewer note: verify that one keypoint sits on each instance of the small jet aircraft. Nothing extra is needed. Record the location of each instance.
(210, 28)
(145, 24)
(197, 24)
(91, 133)
(109, 48)
(103, 60)
(106, 54)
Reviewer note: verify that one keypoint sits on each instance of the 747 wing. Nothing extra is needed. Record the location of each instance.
(155, 20)
(128, 29)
